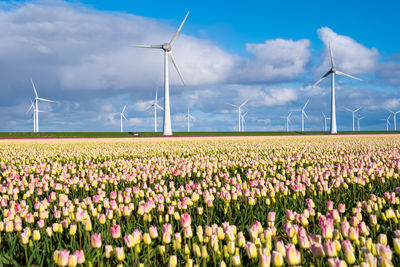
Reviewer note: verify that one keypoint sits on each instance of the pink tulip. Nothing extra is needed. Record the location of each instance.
(153, 232)
(115, 231)
(63, 256)
(293, 256)
(330, 249)
(317, 250)
(80, 256)
(128, 239)
(185, 220)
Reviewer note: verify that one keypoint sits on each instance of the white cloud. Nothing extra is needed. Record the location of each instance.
(263, 97)
(275, 60)
(350, 56)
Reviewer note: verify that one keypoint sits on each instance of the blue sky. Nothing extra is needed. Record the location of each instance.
(79, 54)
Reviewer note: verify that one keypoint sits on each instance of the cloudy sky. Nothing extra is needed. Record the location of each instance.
(80, 54)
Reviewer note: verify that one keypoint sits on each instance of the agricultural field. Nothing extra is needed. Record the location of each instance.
(210, 201)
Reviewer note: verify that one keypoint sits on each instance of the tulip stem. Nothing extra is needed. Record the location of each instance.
(133, 257)
(98, 257)
(26, 254)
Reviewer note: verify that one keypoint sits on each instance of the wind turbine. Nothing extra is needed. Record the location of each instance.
(243, 120)
(155, 105)
(333, 71)
(188, 117)
(387, 122)
(358, 122)
(122, 115)
(167, 47)
(36, 106)
(303, 113)
(287, 118)
(239, 112)
(325, 120)
(353, 111)
(394, 117)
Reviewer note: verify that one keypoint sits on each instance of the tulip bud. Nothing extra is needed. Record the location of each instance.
(277, 258)
(36, 235)
(173, 261)
(235, 260)
(119, 253)
(251, 250)
(80, 256)
(293, 256)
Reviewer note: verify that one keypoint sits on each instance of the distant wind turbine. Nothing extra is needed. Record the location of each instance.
(394, 117)
(333, 71)
(387, 122)
(122, 117)
(239, 112)
(36, 106)
(353, 112)
(287, 118)
(167, 47)
(303, 114)
(358, 122)
(325, 121)
(155, 105)
(188, 118)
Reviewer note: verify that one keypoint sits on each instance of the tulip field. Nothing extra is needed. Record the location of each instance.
(233, 201)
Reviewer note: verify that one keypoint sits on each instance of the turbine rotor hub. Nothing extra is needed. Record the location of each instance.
(166, 47)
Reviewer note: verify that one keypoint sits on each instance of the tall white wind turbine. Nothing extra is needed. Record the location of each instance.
(333, 71)
(353, 112)
(122, 115)
(239, 112)
(325, 121)
(36, 105)
(167, 47)
(188, 118)
(358, 123)
(155, 106)
(394, 117)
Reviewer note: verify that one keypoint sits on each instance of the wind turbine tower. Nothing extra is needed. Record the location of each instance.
(239, 112)
(353, 112)
(332, 72)
(188, 117)
(325, 121)
(155, 105)
(167, 48)
(394, 117)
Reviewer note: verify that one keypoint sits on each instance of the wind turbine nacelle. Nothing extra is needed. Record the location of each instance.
(166, 47)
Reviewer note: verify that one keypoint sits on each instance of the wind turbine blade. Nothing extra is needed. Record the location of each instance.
(179, 29)
(176, 66)
(123, 109)
(290, 113)
(322, 78)
(30, 107)
(160, 107)
(232, 105)
(389, 110)
(123, 116)
(357, 110)
(306, 104)
(244, 103)
(346, 75)
(47, 100)
(348, 109)
(331, 55)
(149, 46)
(34, 88)
(305, 114)
(323, 114)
